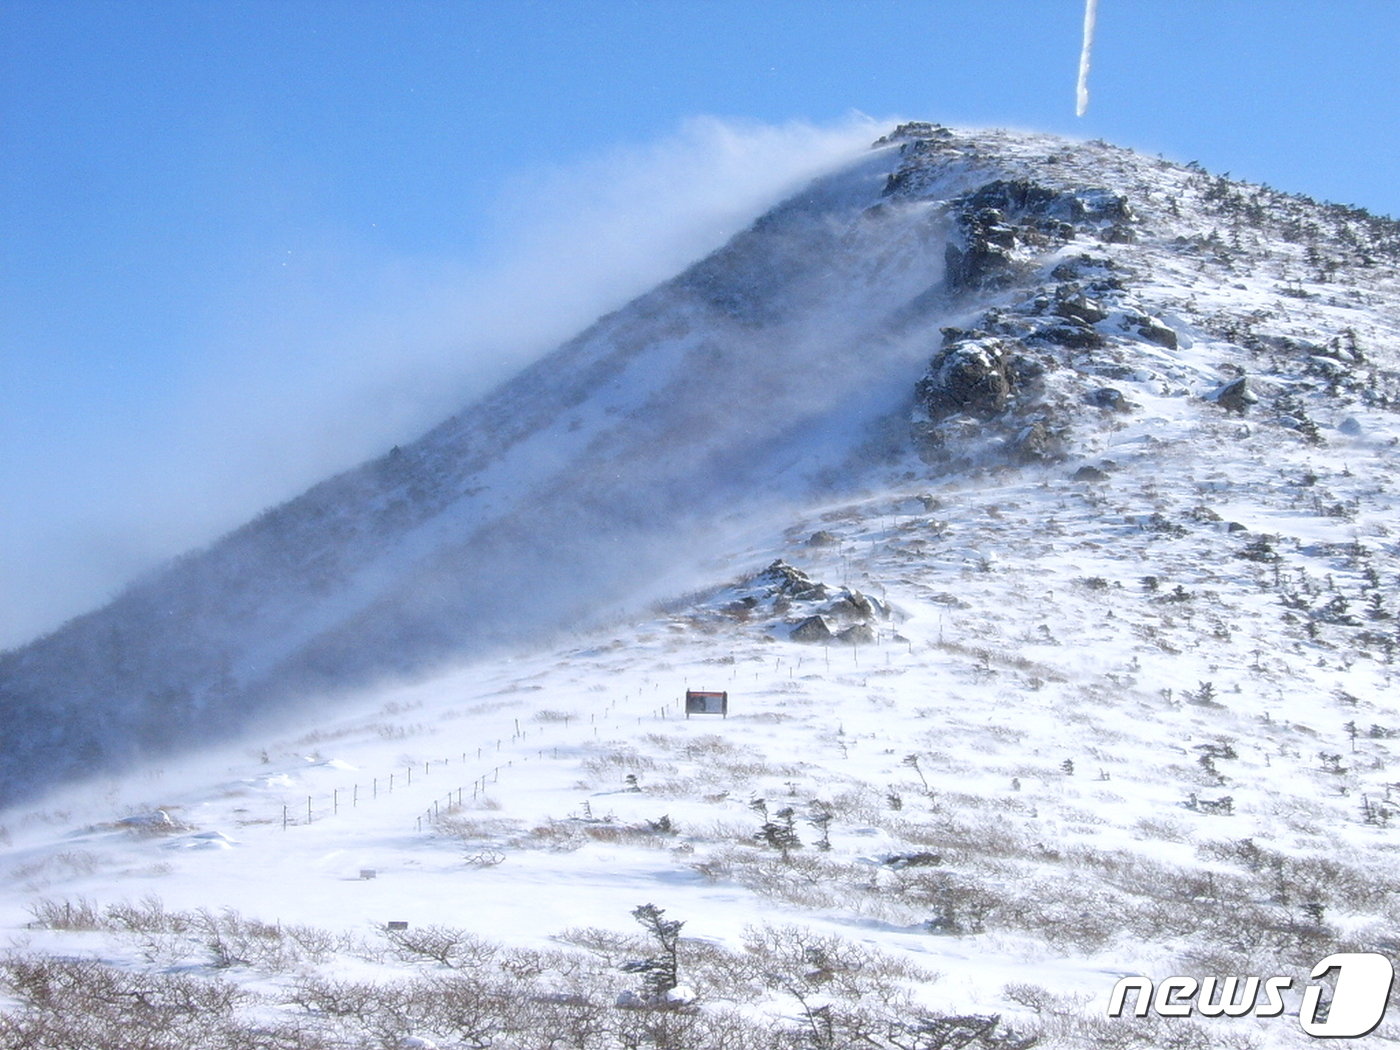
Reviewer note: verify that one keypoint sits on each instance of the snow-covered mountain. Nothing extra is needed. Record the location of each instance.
(1035, 503)
(570, 489)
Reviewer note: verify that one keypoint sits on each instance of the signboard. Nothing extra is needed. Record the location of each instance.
(698, 702)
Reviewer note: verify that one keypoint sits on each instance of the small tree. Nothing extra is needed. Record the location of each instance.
(912, 761)
(660, 971)
(821, 820)
(779, 831)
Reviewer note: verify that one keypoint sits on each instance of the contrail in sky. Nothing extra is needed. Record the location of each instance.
(1091, 11)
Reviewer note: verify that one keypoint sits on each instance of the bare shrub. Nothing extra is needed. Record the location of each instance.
(81, 914)
(70, 1004)
(785, 955)
(315, 944)
(957, 904)
(447, 945)
(65, 864)
(1071, 1022)
(708, 746)
(609, 947)
(548, 717)
(149, 915)
(361, 1000)
(846, 994)
(486, 858)
(608, 764)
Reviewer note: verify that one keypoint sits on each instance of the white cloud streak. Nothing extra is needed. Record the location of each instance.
(1091, 14)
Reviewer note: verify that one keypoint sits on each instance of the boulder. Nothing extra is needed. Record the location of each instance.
(978, 264)
(857, 634)
(1235, 396)
(814, 629)
(1108, 398)
(1074, 334)
(853, 606)
(1080, 309)
(1154, 331)
(968, 376)
(1023, 370)
(844, 609)
(1036, 443)
(786, 580)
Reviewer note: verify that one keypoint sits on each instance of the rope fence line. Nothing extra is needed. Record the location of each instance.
(403, 779)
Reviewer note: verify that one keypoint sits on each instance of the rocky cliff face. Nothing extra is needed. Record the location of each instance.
(950, 303)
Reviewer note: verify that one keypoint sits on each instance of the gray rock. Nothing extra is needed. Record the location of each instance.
(1154, 331)
(814, 629)
(978, 264)
(968, 376)
(846, 609)
(1109, 398)
(1023, 370)
(1073, 334)
(786, 580)
(1036, 443)
(1235, 396)
(857, 634)
(854, 606)
(1080, 309)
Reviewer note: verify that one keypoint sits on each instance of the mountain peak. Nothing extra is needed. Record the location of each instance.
(951, 304)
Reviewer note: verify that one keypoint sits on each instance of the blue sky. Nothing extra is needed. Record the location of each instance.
(243, 244)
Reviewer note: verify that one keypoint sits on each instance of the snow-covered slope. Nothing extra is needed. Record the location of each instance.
(1033, 501)
(569, 489)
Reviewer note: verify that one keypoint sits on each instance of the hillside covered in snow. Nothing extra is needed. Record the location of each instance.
(1035, 504)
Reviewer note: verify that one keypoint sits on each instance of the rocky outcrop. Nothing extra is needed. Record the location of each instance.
(1038, 443)
(857, 634)
(1078, 308)
(968, 375)
(984, 258)
(1073, 334)
(813, 630)
(1154, 331)
(1108, 398)
(1235, 396)
(1002, 216)
(780, 578)
(852, 606)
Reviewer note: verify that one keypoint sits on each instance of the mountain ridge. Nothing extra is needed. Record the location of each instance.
(759, 349)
